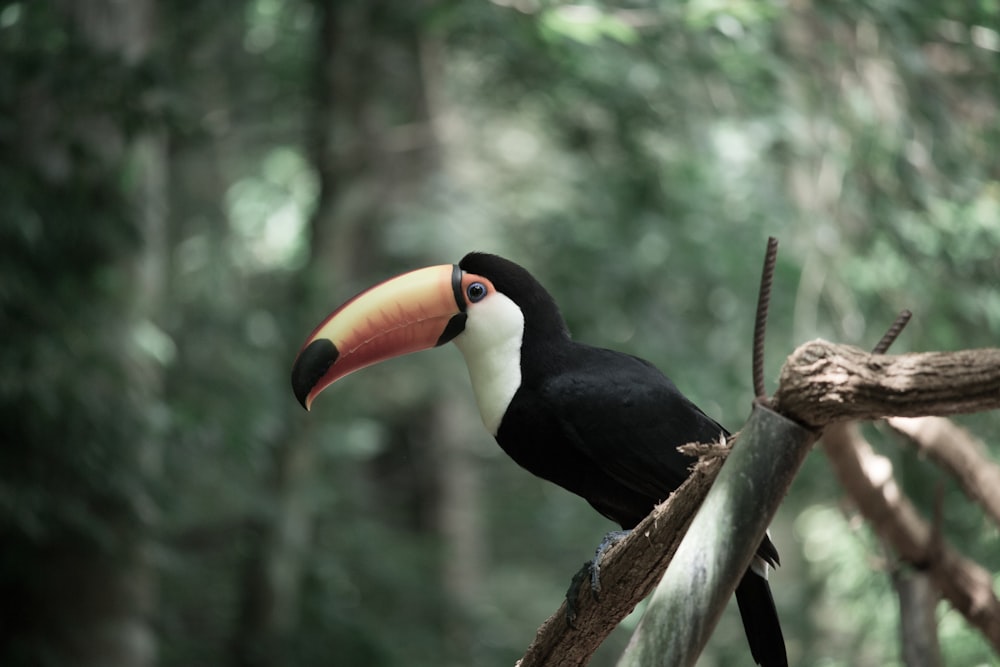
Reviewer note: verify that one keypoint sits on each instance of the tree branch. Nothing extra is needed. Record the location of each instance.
(869, 481)
(822, 383)
(958, 452)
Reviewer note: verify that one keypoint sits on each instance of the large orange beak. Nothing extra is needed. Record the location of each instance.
(415, 311)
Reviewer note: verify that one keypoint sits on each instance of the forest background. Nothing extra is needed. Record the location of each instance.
(188, 188)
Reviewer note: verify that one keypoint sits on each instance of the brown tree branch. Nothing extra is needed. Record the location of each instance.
(958, 452)
(869, 480)
(822, 383)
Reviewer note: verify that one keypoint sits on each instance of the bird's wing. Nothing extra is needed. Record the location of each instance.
(628, 418)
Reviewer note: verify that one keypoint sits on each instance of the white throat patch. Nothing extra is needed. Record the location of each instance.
(491, 345)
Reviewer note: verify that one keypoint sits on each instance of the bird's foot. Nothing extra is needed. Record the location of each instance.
(610, 540)
(590, 570)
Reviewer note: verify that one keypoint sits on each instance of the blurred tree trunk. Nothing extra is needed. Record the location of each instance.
(90, 358)
(369, 141)
(458, 520)
(117, 594)
(918, 632)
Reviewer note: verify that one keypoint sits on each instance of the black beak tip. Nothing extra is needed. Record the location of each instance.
(301, 396)
(311, 365)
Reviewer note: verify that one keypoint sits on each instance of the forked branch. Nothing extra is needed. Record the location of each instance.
(869, 480)
(958, 452)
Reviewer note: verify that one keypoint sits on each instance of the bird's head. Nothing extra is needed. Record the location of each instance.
(485, 304)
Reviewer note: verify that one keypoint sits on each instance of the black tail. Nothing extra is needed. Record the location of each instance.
(760, 620)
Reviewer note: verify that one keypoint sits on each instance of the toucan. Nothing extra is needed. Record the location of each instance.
(602, 424)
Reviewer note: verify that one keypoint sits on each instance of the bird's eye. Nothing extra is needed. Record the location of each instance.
(476, 292)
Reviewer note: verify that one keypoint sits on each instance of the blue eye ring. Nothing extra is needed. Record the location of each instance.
(476, 291)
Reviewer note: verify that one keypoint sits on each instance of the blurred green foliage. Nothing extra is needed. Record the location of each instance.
(635, 156)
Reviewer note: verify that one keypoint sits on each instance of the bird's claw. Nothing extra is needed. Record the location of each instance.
(610, 540)
(592, 570)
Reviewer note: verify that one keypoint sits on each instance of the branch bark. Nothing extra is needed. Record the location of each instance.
(869, 481)
(960, 453)
(822, 383)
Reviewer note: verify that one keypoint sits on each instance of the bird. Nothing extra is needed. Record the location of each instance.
(602, 424)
